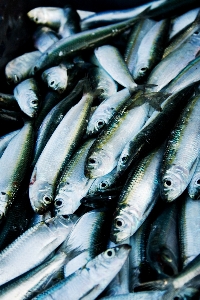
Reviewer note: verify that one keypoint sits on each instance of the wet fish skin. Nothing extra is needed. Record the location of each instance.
(19, 68)
(100, 79)
(56, 78)
(63, 142)
(136, 35)
(103, 155)
(72, 24)
(44, 37)
(33, 282)
(27, 96)
(33, 247)
(162, 247)
(179, 161)
(192, 29)
(75, 44)
(13, 164)
(105, 110)
(188, 229)
(49, 16)
(138, 197)
(112, 61)
(73, 185)
(5, 140)
(151, 49)
(150, 295)
(155, 130)
(90, 280)
(54, 117)
(194, 185)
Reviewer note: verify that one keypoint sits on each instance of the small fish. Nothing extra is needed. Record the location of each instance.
(179, 160)
(44, 37)
(56, 78)
(19, 68)
(138, 197)
(27, 96)
(73, 185)
(90, 280)
(34, 246)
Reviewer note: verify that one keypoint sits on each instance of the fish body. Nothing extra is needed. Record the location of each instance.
(140, 29)
(44, 37)
(13, 164)
(138, 197)
(33, 247)
(165, 71)
(179, 160)
(194, 185)
(73, 185)
(151, 49)
(105, 111)
(189, 227)
(5, 140)
(103, 155)
(34, 281)
(90, 280)
(27, 96)
(63, 142)
(19, 68)
(111, 60)
(162, 247)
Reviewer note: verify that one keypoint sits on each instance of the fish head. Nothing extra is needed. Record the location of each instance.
(99, 164)
(194, 187)
(123, 160)
(174, 182)
(27, 100)
(123, 226)
(37, 15)
(95, 125)
(65, 203)
(141, 71)
(41, 196)
(56, 78)
(4, 203)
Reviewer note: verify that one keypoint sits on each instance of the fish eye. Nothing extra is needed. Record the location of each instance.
(34, 101)
(167, 183)
(196, 32)
(125, 158)
(58, 203)
(92, 161)
(110, 253)
(52, 82)
(46, 199)
(198, 182)
(36, 19)
(143, 69)
(67, 217)
(103, 184)
(100, 123)
(119, 222)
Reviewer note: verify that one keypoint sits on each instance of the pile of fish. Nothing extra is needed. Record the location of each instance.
(99, 156)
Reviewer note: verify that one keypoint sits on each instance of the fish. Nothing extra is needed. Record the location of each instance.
(111, 60)
(96, 275)
(105, 111)
(151, 49)
(20, 67)
(33, 247)
(134, 40)
(14, 164)
(162, 247)
(56, 78)
(180, 161)
(28, 97)
(71, 25)
(44, 37)
(75, 44)
(103, 155)
(63, 142)
(137, 197)
(5, 140)
(188, 229)
(73, 185)
(194, 185)
(35, 281)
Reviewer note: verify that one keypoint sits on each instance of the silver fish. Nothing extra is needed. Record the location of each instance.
(27, 96)
(33, 247)
(56, 78)
(44, 37)
(90, 280)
